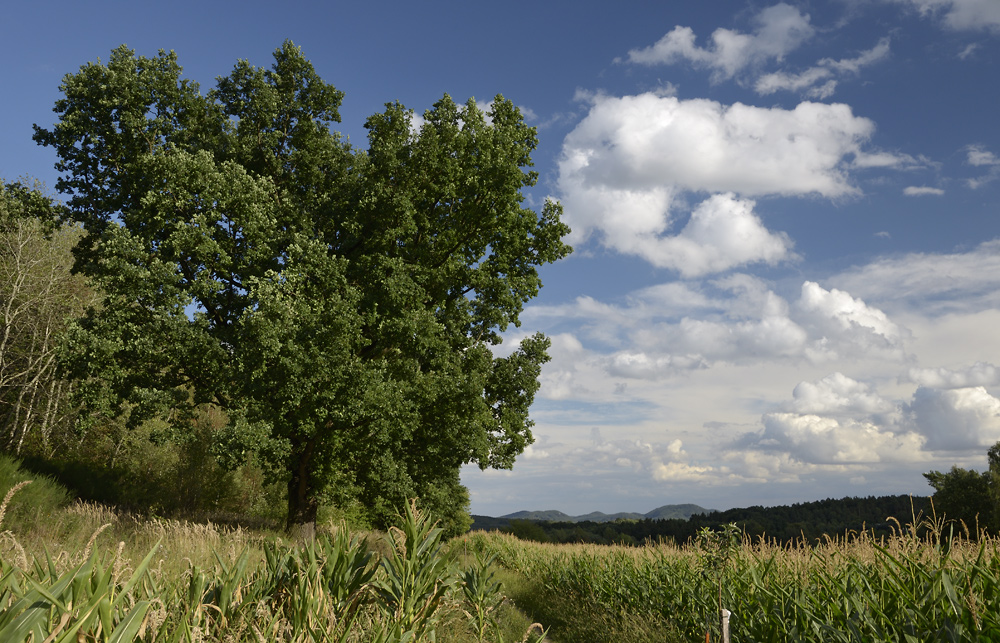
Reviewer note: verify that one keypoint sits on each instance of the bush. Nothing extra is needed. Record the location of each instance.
(44, 495)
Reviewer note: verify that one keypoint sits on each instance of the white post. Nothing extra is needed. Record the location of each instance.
(724, 624)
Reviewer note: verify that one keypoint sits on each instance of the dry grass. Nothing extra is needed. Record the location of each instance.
(183, 581)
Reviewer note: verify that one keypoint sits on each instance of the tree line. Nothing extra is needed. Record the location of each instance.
(786, 524)
(970, 498)
(965, 501)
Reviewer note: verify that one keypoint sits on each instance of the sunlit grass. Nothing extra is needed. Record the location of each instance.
(84, 572)
(88, 568)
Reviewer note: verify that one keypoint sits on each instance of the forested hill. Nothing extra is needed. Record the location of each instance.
(785, 523)
(489, 523)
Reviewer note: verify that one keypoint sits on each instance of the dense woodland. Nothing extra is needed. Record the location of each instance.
(965, 501)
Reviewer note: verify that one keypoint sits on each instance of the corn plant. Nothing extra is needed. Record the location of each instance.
(83, 603)
(482, 596)
(416, 576)
(317, 589)
(936, 587)
(333, 588)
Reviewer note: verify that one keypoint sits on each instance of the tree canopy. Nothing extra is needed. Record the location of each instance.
(340, 304)
(970, 496)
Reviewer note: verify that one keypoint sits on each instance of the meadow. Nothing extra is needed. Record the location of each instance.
(72, 571)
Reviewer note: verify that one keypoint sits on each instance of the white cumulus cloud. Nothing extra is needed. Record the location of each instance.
(658, 461)
(978, 374)
(956, 419)
(978, 156)
(647, 141)
(849, 319)
(819, 81)
(824, 440)
(922, 190)
(934, 283)
(639, 365)
(723, 233)
(626, 167)
(837, 394)
(531, 452)
(674, 330)
(779, 30)
(680, 471)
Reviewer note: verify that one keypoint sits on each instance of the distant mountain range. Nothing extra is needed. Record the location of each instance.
(665, 512)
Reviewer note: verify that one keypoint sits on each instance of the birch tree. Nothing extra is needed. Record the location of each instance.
(38, 298)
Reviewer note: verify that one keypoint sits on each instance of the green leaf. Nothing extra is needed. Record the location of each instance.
(128, 627)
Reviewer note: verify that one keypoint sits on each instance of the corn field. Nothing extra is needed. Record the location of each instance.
(941, 587)
(198, 583)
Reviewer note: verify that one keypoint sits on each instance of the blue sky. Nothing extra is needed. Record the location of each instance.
(785, 215)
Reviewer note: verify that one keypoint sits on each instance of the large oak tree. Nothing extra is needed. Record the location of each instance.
(340, 304)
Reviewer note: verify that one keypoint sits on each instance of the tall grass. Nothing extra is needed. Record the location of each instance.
(88, 573)
(85, 572)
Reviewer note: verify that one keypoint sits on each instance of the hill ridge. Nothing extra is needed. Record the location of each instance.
(682, 511)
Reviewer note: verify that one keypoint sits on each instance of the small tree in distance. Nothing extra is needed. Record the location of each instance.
(339, 304)
(970, 496)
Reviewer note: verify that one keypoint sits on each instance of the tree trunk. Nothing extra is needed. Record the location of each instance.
(302, 505)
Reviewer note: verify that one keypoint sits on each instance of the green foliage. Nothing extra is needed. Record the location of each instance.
(963, 495)
(337, 304)
(482, 595)
(38, 297)
(716, 550)
(44, 495)
(788, 524)
(417, 576)
(970, 497)
(335, 587)
(87, 601)
(26, 201)
(528, 530)
(328, 577)
(138, 471)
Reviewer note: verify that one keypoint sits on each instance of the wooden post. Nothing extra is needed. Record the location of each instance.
(724, 624)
